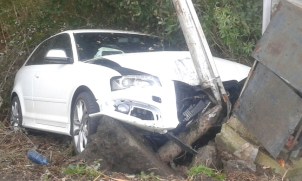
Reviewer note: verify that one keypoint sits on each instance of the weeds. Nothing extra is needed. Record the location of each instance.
(81, 170)
(206, 171)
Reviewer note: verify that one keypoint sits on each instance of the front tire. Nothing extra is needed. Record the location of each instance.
(16, 114)
(81, 125)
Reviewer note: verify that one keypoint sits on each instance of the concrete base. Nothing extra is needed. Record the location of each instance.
(234, 137)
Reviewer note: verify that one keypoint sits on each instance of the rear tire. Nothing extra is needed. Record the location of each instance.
(16, 114)
(81, 125)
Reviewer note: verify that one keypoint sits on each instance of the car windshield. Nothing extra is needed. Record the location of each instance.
(94, 45)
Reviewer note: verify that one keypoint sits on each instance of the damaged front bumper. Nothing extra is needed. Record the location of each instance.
(157, 108)
(141, 115)
(151, 108)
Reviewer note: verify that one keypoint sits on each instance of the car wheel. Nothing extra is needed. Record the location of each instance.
(82, 126)
(16, 114)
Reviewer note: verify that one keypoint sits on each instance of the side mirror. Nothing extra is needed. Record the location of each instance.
(58, 56)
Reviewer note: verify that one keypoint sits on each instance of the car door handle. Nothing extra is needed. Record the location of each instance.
(36, 76)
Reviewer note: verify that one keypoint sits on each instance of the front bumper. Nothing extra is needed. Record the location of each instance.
(141, 115)
(151, 108)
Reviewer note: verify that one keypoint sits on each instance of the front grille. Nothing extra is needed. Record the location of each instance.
(142, 114)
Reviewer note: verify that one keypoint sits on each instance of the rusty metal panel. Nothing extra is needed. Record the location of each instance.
(269, 109)
(280, 48)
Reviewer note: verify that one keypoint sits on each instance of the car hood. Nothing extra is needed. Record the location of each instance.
(176, 65)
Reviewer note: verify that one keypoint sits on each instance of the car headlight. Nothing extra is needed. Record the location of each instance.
(125, 82)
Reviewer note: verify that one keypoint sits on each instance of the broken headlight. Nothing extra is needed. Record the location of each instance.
(128, 81)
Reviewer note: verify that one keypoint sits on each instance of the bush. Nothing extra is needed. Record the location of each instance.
(232, 27)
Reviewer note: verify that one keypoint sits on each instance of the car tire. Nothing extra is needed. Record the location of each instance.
(81, 125)
(16, 114)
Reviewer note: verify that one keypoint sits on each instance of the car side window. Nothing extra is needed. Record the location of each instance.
(61, 42)
(37, 58)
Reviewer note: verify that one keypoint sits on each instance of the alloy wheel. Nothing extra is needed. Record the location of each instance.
(80, 125)
(16, 115)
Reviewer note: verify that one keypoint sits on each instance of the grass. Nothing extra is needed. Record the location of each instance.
(206, 171)
(82, 170)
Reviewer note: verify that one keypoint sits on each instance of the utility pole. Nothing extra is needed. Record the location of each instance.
(199, 49)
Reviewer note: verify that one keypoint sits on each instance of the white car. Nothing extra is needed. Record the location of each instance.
(72, 79)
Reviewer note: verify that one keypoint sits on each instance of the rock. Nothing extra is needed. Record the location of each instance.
(208, 157)
(121, 149)
(229, 140)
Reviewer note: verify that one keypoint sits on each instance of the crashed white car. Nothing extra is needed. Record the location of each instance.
(74, 78)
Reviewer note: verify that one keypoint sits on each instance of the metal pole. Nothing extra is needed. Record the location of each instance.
(266, 16)
(209, 54)
(269, 7)
(199, 48)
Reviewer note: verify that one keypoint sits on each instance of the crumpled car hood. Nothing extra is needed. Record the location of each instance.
(177, 65)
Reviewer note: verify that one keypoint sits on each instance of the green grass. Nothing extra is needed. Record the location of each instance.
(203, 170)
(81, 170)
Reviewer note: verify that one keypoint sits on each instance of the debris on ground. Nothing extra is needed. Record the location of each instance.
(201, 126)
(37, 158)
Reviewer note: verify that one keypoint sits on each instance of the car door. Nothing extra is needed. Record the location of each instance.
(52, 86)
(25, 79)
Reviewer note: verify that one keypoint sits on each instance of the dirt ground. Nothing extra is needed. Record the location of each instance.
(14, 164)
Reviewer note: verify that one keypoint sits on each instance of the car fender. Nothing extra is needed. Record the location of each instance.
(93, 78)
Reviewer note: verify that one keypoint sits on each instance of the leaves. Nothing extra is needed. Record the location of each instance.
(232, 27)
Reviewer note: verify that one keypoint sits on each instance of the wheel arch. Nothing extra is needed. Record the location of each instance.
(78, 91)
(16, 121)
(13, 94)
(22, 104)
